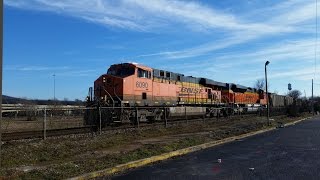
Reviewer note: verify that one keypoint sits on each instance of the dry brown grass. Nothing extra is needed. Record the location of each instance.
(22, 124)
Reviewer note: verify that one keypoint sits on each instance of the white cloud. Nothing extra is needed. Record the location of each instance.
(296, 14)
(291, 53)
(34, 68)
(290, 60)
(62, 71)
(78, 73)
(294, 73)
(109, 13)
(300, 49)
(193, 13)
(145, 15)
(285, 18)
(204, 48)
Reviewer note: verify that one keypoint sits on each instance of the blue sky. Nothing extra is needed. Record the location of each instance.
(227, 41)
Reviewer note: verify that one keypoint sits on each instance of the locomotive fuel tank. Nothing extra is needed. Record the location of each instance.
(187, 110)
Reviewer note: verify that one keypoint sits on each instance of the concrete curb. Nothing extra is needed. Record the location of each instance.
(142, 162)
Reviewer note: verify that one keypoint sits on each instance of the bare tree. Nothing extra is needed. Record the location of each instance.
(259, 84)
(295, 94)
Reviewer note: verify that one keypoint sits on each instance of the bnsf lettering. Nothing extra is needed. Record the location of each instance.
(191, 90)
(141, 84)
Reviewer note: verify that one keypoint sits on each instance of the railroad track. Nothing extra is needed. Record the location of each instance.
(88, 129)
(49, 133)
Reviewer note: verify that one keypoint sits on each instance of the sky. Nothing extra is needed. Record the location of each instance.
(227, 41)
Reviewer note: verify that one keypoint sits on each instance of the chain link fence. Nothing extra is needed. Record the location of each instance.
(42, 119)
(33, 118)
(108, 116)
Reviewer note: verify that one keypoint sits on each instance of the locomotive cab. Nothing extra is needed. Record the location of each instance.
(124, 85)
(108, 88)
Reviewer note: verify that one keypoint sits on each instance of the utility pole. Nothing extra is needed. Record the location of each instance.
(316, 42)
(1, 47)
(312, 107)
(54, 89)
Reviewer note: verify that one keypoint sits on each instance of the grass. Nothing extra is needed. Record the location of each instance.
(67, 157)
(21, 124)
(79, 167)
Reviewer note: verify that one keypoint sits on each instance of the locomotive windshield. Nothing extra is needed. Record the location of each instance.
(121, 70)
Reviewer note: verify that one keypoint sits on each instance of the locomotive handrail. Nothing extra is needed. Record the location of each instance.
(114, 91)
(109, 96)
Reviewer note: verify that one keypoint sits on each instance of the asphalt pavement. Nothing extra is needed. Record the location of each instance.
(286, 153)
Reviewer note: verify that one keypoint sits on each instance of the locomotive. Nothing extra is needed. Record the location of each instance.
(130, 91)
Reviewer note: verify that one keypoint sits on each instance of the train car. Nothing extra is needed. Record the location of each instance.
(133, 85)
(288, 100)
(280, 100)
(276, 100)
(243, 99)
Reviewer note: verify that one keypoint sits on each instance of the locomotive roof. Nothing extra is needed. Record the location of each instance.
(143, 67)
(135, 64)
(212, 82)
(198, 79)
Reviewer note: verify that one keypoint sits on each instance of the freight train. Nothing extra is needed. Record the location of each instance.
(127, 87)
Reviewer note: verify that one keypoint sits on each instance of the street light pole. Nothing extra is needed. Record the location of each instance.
(266, 79)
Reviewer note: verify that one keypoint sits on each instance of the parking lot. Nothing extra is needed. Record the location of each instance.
(286, 153)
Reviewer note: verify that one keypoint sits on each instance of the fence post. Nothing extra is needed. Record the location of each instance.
(45, 124)
(185, 114)
(165, 117)
(203, 118)
(137, 118)
(100, 121)
(260, 111)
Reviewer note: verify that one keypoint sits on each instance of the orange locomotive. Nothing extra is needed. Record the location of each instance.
(133, 85)
(136, 85)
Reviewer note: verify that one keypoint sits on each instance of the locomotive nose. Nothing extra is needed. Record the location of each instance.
(109, 88)
(113, 85)
(107, 80)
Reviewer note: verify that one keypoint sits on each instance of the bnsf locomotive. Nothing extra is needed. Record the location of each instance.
(151, 90)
